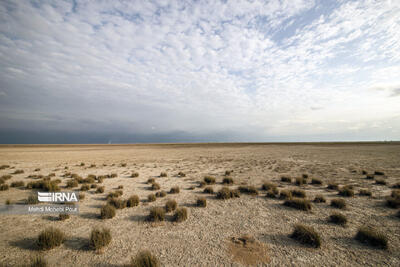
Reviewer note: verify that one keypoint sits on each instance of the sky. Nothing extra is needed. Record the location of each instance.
(199, 71)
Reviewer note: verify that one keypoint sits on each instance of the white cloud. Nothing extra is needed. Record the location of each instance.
(201, 67)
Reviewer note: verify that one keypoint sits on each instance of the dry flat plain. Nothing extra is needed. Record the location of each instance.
(211, 235)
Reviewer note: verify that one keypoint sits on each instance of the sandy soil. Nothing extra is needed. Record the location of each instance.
(205, 238)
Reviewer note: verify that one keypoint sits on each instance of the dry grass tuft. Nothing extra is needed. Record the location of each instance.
(365, 192)
(208, 190)
(107, 212)
(132, 201)
(163, 174)
(346, 191)
(201, 202)
(151, 198)
(372, 237)
(298, 203)
(338, 203)
(226, 193)
(306, 235)
(319, 199)
(298, 193)
(99, 238)
(337, 218)
(157, 214)
(50, 238)
(38, 261)
(227, 181)
(181, 214)
(63, 216)
(286, 179)
(174, 190)
(144, 259)
(161, 193)
(316, 181)
(209, 180)
(155, 186)
(170, 205)
(249, 190)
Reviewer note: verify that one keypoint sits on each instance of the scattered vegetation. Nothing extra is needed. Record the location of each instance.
(337, 218)
(132, 201)
(99, 238)
(306, 235)
(144, 259)
(346, 191)
(333, 186)
(298, 193)
(208, 190)
(338, 203)
(151, 198)
(63, 216)
(227, 181)
(285, 194)
(316, 181)
(380, 181)
(107, 212)
(117, 203)
(298, 203)
(180, 215)
(170, 205)
(100, 189)
(365, 192)
(50, 238)
(226, 193)
(209, 180)
(249, 190)
(372, 237)
(174, 190)
(319, 199)
(38, 261)
(155, 186)
(17, 184)
(201, 202)
(157, 214)
(45, 185)
(161, 193)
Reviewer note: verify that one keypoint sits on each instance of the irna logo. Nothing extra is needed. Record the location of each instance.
(57, 196)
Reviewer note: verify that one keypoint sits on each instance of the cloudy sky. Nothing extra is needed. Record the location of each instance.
(169, 71)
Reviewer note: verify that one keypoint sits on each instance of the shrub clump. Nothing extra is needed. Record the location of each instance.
(301, 181)
(144, 259)
(174, 190)
(201, 202)
(337, 218)
(365, 192)
(298, 193)
(209, 180)
(268, 186)
(208, 190)
(163, 174)
(285, 194)
(38, 261)
(157, 214)
(63, 216)
(155, 186)
(72, 183)
(180, 215)
(151, 181)
(32, 199)
(17, 184)
(100, 189)
(132, 201)
(249, 190)
(286, 179)
(306, 235)
(170, 205)
(107, 212)
(226, 193)
(319, 199)
(316, 181)
(298, 203)
(151, 198)
(202, 184)
(333, 186)
(346, 192)
(99, 238)
(372, 237)
(380, 182)
(227, 181)
(379, 173)
(50, 238)
(117, 203)
(4, 187)
(85, 187)
(161, 193)
(181, 174)
(338, 203)
(134, 174)
(272, 193)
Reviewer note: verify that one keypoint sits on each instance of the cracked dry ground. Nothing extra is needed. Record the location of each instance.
(209, 237)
